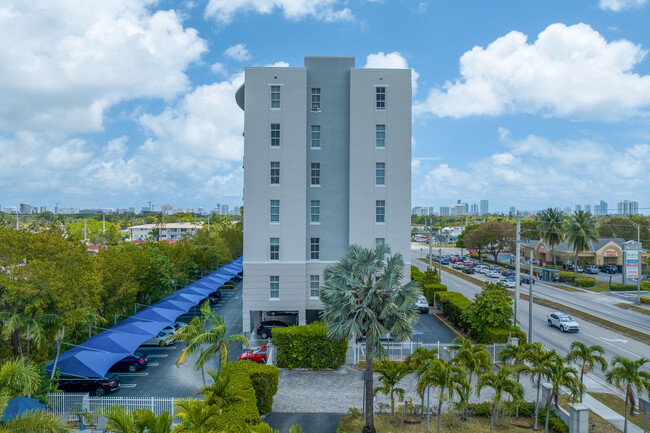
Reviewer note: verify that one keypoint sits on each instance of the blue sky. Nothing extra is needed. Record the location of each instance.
(115, 103)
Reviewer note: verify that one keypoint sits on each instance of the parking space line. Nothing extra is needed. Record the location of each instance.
(128, 385)
(153, 364)
(161, 355)
(134, 374)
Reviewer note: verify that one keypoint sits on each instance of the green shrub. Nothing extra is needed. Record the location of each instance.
(242, 415)
(264, 379)
(430, 289)
(484, 409)
(416, 273)
(430, 276)
(567, 277)
(480, 409)
(454, 304)
(554, 422)
(495, 335)
(585, 281)
(645, 299)
(308, 347)
(622, 287)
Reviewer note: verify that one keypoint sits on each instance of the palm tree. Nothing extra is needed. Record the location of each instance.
(159, 226)
(362, 295)
(218, 394)
(514, 356)
(560, 375)
(19, 378)
(474, 357)
(390, 374)
(538, 359)
(502, 385)
(33, 421)
(581, 230)
(195, 416)
(550, 224)
(625, 373)
(141, 420)
(450, 378)
(206, 335)
(587, 357)
(416, 361)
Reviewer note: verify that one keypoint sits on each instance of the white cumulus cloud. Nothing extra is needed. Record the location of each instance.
(620, 5)
(568, 72)
(392, 60)
(324, 10)
(238, 52)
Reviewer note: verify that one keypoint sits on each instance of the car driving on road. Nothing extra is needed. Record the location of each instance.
(562, 321)
(507, 283)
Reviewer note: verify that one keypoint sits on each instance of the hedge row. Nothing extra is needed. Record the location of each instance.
(645, 299)
(496, 335)
(264, 379)
(431, 289)
(625, 287)
(525, 409)
(416, 273)
(308, 346)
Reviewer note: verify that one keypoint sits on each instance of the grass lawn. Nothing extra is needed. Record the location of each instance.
(602, 425)
(449, 424)
(635, 308)
(601, 286)
(617, 404)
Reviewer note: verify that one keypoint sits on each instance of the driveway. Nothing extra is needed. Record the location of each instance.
(310, 422)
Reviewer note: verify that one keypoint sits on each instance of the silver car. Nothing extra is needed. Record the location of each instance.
(563, 321)
(422, 304)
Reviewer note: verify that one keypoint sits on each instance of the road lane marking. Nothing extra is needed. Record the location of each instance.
(161, 355)
(614, 340)
(604, 340)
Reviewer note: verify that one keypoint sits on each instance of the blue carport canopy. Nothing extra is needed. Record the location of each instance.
(19, 405)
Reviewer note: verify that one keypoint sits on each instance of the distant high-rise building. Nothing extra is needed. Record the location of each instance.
(430, 210)
(578, 207)
(460, 209)
(43, 209)
(224, 209)
(458, 202)
(483, 207)
(166, 209)
(626, 207)
(603, 208)
(444, 210)
(419, 211)
(11, 210)
(587, 208)
(474, 210)
(512, 211)
(25, 209)
(132, 209)
(567, 210)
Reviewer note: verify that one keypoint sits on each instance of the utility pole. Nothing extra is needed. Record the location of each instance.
(640, 265)
(517, 270)
(530, 300)
(17, 216)
(430, 239)
(103, 224)
(440, 264)
(85, 237)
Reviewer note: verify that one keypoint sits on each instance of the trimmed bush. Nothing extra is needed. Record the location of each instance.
(242, 415)
(430, 289)
(453, 304)
(585, 281)
(567, 277)
(624, 287)
(554, 422)
(308, 347)
(645, 299)
(484, 409)
(416, 273)
(264, 379)
(496, 335)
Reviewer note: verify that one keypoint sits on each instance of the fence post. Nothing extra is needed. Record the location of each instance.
(152, 405)
(438, 353)
(85, 403)
(494, 353)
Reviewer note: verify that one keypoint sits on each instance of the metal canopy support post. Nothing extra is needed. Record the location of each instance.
(530, 300)
(517, 270)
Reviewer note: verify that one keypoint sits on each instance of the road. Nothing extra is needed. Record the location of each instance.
(613, 342)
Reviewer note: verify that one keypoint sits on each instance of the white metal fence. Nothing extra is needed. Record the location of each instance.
(65, 404)
(398, 351)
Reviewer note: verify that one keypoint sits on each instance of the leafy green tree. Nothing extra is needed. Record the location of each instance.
(580, 232)
(390, 374)
(624, 374)
(431, 276)
(538, 360)
(586, 357)
(503, 385)
(492, 308)
(362, 295)
(559, 375)
(449, 378)
(550, 224)
(96, 234)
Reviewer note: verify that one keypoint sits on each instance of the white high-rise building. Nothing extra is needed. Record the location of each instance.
(483, 205)
(328, 164)
(628, 207)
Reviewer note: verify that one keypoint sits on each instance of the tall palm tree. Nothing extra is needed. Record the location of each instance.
(580, 231)
(502, 385)
(449, 378)
(560, 375)
(159, 225)
(474, 357)
(206, 335)
(195, 416)
(587, 357)
(390, 374)
(514, 356)
(362, 295)
(417, 361)
(625, 373)
(538, 360)
(32, 421)
(19, 378)
(550, 224)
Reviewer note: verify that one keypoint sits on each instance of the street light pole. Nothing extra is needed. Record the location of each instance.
(530, 300)
(440, 264)
(517, 270)
(430, 236)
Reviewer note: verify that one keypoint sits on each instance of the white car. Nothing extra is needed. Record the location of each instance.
(160, 339)
(562, 321)
(422, 304)
(507, 283)
(174, 327)
(480, 269)
(493, 274)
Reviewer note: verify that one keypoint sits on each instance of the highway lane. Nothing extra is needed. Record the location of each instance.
(613, 342)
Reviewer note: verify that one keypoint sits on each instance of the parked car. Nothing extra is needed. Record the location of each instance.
(255, 354)
(457, 265)
(132, 363)
(422, 304)
(215, 294)
(525, 279)
(265, 327)
(592, 269)
(444, 261)
(480, 269)
(562, 321)
(568, 266)
(174, 327)
(508, 273)
(94, 386)
(468, 270)
(609, 269)
(493, 273)
(507, 283)
(160, 339)
(579, 269)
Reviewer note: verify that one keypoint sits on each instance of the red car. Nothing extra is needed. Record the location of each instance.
(255, 355)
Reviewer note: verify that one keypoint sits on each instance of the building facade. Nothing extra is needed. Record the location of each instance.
(326, 164)
(170, 231)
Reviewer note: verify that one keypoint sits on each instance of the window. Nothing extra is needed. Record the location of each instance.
(275, 172)
(315, 211)
(315, 248)
(315, 136)
(275, 134)
(380, 241)
(275, 96)
(315, 173)
(380, 173)
(314, 285)
(380, 98)
(380, 135)
(275, 248)
(315, 99)
(274, 286)
(275, 211)
(380, 211)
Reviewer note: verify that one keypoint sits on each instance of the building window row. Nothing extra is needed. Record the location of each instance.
(275, 135)
(315, 173)
(275, 211)
(380, 211)
(274, 287)
(314, 248)
(314, 286)
(275, 249)
(275, 172)
(315, 99)
(380, 98)
(314, 211)
(275, 96)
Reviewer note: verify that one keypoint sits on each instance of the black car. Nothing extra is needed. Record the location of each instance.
(525, 279)
(609, 269)
(264, 328)
(508, 273)
(132, 363)
(468, 270)
(92, 385)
